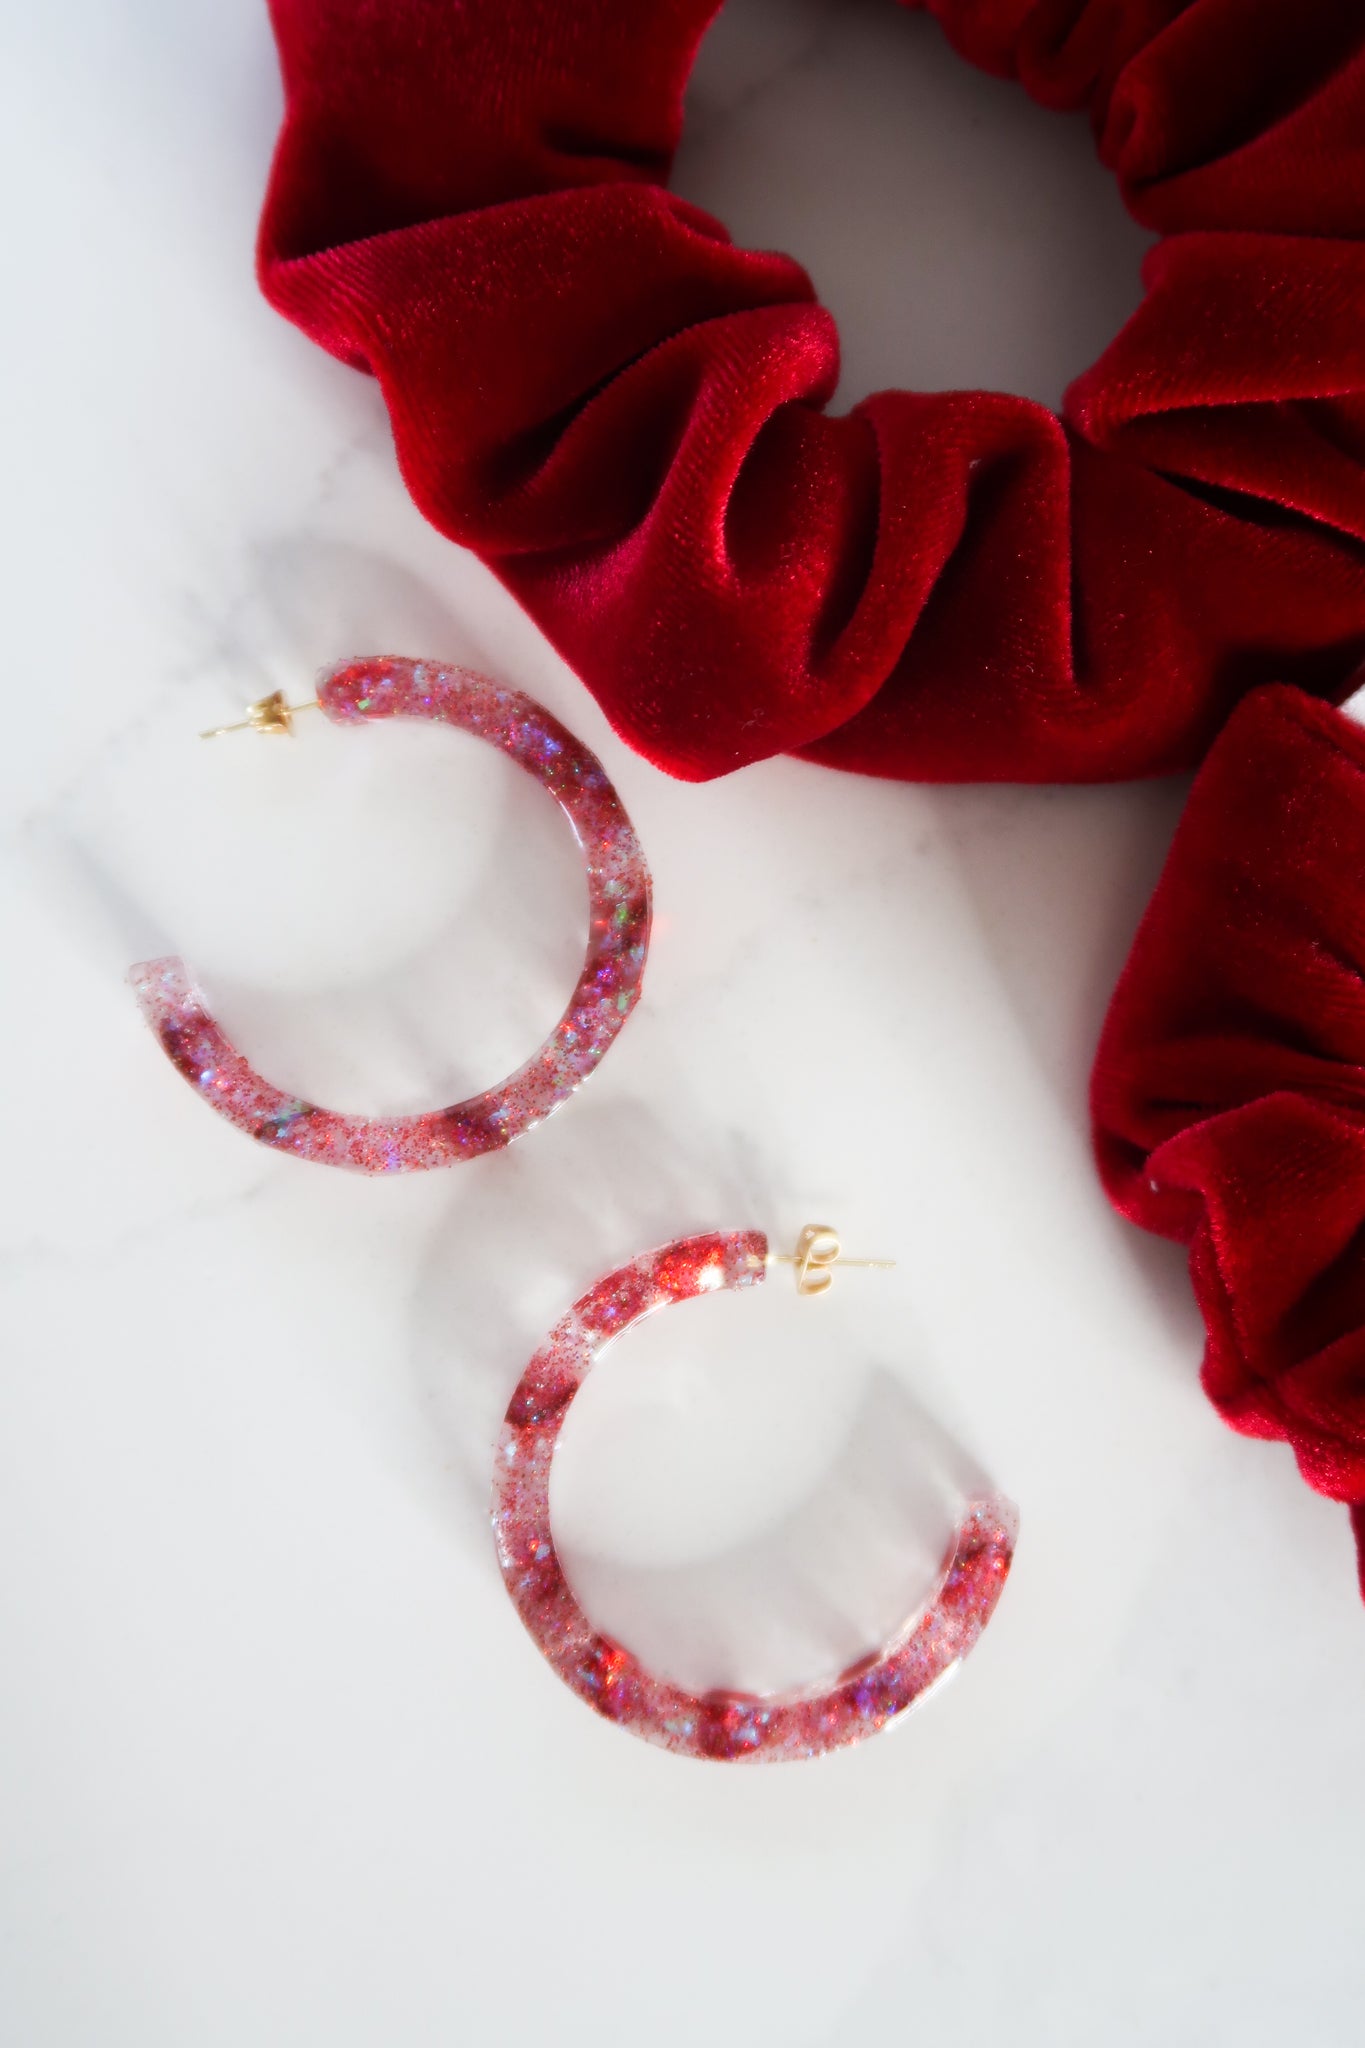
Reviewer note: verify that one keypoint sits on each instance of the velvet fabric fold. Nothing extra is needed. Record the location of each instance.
(1229, 1089)
(625, 415)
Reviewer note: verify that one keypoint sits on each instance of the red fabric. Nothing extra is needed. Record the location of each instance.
(624, 414)
(1229, 1091)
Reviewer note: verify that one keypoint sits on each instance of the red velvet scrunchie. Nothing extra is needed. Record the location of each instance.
(623, 414)
(1229, 1090)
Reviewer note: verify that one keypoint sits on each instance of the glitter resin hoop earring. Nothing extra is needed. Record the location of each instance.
(353, 693)
(721, 1725)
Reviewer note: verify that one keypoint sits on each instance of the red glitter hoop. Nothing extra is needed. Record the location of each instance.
(607, 989)
(726, 1726)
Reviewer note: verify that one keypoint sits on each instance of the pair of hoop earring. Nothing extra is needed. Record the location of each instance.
(609, 1678)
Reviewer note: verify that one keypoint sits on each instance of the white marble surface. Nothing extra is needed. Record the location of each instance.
(277, 1764)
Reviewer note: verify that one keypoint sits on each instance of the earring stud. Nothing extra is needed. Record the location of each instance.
(817, 1257)
(270, 714)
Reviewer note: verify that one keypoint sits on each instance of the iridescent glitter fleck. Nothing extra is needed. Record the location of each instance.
(608, 987)
(728, 1726)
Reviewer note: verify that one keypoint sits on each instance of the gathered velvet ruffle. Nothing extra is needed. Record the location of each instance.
(1229, 1090)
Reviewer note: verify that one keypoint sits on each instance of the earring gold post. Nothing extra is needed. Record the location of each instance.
(818, 1252)
(268, 714)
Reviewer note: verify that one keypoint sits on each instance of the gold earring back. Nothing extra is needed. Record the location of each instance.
(818, 1252)
(270, 714)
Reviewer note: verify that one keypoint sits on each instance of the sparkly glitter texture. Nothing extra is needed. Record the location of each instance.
(728, 1726)
(607, 990)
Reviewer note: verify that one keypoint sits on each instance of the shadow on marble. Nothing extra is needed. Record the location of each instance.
(1058, 880)
(322, 600)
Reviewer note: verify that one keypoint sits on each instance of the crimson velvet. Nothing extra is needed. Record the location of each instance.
(625, 416)
(1229, 1092)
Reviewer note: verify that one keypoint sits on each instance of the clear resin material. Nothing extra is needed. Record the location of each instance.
(607, 990)
(723, 1725)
